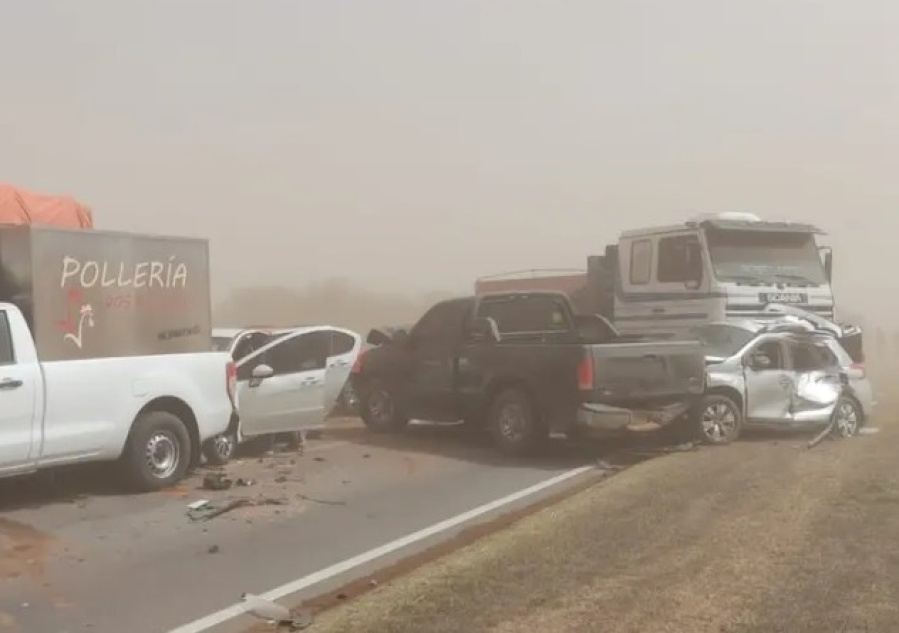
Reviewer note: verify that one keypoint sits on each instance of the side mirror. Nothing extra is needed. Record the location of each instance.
(483, 330)
(760, 361)
(260, 372)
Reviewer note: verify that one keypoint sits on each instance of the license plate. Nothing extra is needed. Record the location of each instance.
(783, 297)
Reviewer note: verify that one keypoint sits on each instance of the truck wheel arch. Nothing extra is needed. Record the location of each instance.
(183, 412)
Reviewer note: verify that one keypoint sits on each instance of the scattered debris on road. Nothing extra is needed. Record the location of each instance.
(217, 481)
(206, 510)
(275, 613)
(328, 502)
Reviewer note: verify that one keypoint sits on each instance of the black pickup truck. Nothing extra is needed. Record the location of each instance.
(523, 365)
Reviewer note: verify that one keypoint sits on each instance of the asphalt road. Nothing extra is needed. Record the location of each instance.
(75, 555)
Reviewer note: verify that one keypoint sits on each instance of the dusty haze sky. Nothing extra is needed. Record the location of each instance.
(419, 144)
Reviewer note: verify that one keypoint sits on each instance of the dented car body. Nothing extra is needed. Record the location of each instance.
(792, 370)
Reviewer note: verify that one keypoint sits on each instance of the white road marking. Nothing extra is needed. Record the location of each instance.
(219, 617)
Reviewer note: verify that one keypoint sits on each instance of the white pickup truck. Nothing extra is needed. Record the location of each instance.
(151, 412)
(104, 353)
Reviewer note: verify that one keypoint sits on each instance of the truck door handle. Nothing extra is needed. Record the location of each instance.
(10, 383)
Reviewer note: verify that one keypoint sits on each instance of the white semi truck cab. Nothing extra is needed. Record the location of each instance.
(662, 281)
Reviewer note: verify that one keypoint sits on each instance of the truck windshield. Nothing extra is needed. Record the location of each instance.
(765, 257)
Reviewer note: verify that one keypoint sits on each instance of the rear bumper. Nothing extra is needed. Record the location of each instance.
(610, 419)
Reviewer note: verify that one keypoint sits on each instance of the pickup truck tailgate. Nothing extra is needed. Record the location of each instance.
(623, 372)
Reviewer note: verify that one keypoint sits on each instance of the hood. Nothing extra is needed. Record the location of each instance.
(810, 318)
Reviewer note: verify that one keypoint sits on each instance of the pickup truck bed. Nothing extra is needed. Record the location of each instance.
(152, 411)
(517, 363)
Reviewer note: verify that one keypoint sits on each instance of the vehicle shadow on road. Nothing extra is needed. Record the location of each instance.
(455, 441)
(69, 484)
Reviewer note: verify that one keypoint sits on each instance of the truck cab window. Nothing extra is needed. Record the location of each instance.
(300, 353)
(677, 261)
(526, 314)
(442, 324)
(641, 262)
(7, 354)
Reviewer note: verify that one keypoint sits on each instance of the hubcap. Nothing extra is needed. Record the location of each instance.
(224, 446)
(847, 419)
(163, 454)
(380, 405)
(718, 421)
(512, 423)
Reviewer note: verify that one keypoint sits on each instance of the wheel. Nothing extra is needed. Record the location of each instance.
(846, 417)
(220, 449)
(158, 451)
(716, 420)
(514, 423)
(380, 408)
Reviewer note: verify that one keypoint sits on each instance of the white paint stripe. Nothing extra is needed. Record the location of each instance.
(219, 617)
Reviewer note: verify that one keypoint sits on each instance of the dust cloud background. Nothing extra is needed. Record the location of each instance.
(365, 156)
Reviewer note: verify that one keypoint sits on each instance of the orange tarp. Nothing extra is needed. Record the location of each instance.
(18, 206)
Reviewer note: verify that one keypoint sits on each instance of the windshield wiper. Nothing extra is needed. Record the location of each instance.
(801, 279)
(748, 279)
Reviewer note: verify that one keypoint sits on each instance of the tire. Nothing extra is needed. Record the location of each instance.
(220, 449)
(717, 419)
(514, 423)
(846, 417)
(158, 451)
(380, 408)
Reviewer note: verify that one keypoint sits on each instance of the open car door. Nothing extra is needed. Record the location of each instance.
(281, 387)
(345, 346)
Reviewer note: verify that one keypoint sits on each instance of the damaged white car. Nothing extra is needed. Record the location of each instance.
(288, 380)
(792, 370)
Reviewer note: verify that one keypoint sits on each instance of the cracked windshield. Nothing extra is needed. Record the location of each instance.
(442, 317)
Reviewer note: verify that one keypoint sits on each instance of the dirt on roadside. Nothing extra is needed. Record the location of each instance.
(760, 536)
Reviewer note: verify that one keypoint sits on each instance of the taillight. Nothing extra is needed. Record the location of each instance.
(231, 380)
(585, 372)
(357, 365)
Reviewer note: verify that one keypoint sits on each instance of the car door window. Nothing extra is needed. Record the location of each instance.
(341, 343)
(305, 352)
(774, 351)
(243, 348)
(810, 356)
(7, 354)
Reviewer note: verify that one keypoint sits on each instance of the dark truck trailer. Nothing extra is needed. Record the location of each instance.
(523, 365)
(100, 294)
